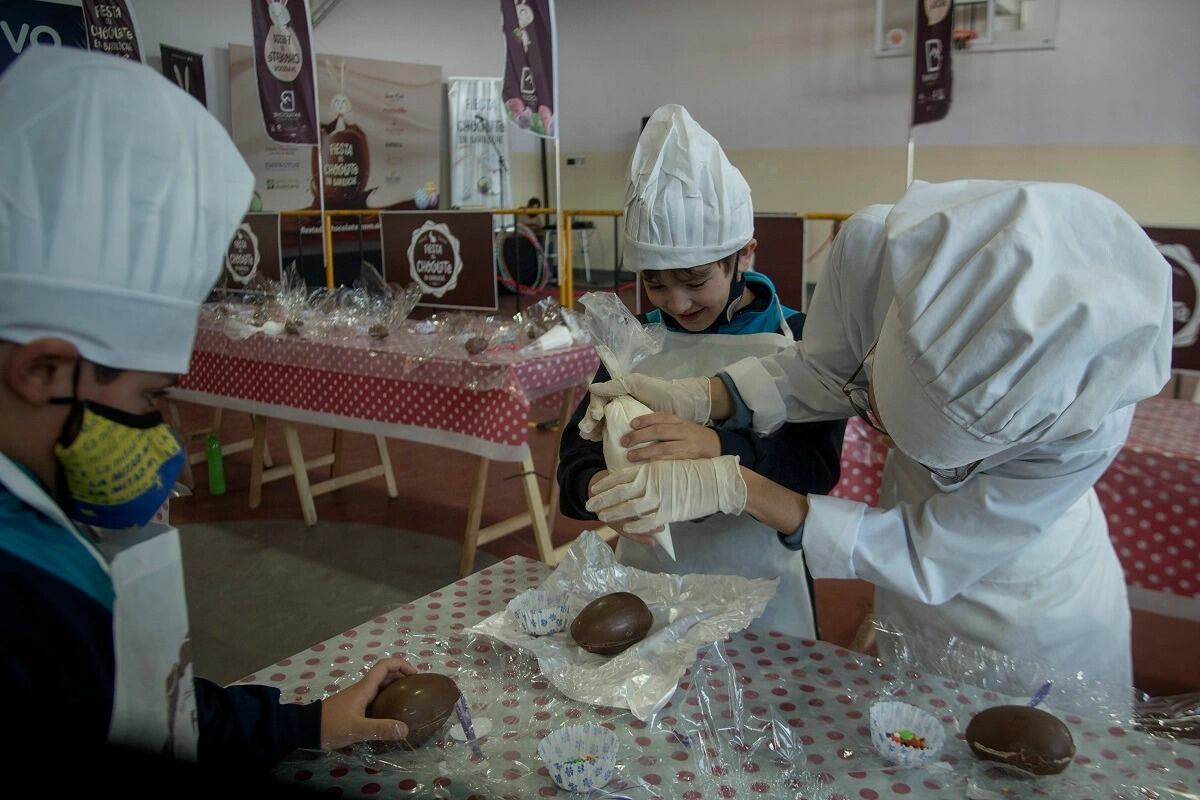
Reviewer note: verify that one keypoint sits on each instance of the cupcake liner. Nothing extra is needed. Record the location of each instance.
(891, 717)
(539, 612)
(580, 757)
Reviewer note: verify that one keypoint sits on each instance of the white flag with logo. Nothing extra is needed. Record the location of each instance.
(480, 172)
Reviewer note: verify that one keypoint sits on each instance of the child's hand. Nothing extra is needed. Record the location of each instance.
(674, 439)
(344, 715)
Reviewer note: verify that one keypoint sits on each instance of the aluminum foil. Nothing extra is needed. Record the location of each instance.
(690, 611)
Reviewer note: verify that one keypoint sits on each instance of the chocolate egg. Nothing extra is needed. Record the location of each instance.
(423, 702)
(1022, 737)
(476, 345)
(612, 623)
(379, 331)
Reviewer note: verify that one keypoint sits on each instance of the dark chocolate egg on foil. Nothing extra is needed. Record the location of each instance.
(423, 702)
(1027, 738)
(611, 624)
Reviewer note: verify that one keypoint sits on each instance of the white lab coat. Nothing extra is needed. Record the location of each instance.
(723, 544)
(1016, 559)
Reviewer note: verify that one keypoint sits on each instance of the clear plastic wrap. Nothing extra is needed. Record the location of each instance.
(758, 714)
(689, 611)
(619, 338)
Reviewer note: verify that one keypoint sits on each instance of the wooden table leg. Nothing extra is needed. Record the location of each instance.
(300, 473)
(385, 460)
(338, 451)
(474, 515)
(537, 510)
(258, 456)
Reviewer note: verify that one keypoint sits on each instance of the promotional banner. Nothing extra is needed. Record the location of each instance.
(110, 29)
(479, 169)
(381, 128)
(449, 255)
(254, 252)
(529, 67)
(25, 23)
(931, 60)
(283, 65)
(1181, 248)
(185, 70)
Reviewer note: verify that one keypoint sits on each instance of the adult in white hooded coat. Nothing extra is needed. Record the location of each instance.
(1000, 334)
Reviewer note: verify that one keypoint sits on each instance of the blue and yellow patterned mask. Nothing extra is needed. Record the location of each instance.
(119, 468)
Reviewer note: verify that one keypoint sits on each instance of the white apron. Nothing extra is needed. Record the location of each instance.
(723, 544)
(1044, 606)
(154, 704)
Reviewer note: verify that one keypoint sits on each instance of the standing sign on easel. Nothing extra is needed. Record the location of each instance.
(931, 67)
(110, 29)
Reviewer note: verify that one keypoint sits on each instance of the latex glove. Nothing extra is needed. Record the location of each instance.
(591, 427)
(641, 538)
(662, 492)
(687, 397)
(344, 718)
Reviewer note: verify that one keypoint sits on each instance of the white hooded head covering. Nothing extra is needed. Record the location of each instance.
(686, 205)
(1023, 313)
(118, 196)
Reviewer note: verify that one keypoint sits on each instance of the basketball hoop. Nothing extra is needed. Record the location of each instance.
(962, 37)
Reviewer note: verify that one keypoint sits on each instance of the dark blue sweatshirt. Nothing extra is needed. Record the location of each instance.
(57, 658)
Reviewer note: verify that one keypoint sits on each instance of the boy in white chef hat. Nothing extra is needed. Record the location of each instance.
(118, 196)
(689, 234)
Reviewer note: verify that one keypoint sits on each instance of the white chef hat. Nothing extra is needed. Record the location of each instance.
(118, 196)
(686, 205)
(1024, 312)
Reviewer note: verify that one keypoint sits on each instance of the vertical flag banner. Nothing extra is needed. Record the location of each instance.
(283, 64)
(110, 29)
(479, 171)
(529, 74)
(931, 60)
(185, 70)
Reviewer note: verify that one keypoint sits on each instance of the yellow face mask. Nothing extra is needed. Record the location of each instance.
(119, 468)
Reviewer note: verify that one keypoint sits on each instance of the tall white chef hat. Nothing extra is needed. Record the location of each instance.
(118, 196)
(686, 205)
(1024, 312)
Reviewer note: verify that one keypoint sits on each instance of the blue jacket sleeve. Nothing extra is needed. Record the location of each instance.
(247, 726)
(578, 462)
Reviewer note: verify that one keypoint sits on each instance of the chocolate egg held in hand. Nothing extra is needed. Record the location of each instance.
(610, 624)
(423, 702)
(1026, 738)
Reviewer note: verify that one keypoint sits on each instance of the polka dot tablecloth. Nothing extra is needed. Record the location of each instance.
(758, 715)
(1150, 493)
(480, 407)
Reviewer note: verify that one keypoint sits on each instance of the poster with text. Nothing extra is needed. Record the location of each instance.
(283, 67)
(530, 71)
(449, 255)
(381, 136)
(480, 175)
(27, 23)
(932, 82)
(110, 29)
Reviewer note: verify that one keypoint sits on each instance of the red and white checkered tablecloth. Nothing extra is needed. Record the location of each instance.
(478, 406)
(1150, 494)
(741, 717)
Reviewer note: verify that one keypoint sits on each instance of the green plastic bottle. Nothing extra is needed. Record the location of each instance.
(216, 466)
